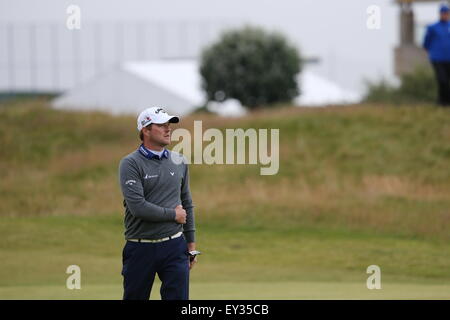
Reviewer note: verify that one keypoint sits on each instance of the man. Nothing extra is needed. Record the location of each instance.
(159, 216)
(437, 43)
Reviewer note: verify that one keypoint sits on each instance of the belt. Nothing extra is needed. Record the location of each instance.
(176, 235)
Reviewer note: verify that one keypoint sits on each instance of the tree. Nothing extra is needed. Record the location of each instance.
(418, 86)
(251, 65)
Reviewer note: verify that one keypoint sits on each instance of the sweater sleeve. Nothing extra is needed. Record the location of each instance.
(427, 39)
(133, 194)
(186, 201)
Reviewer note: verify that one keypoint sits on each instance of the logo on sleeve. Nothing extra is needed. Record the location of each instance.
(130, 182)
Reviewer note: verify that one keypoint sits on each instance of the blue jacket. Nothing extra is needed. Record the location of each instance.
(437, 41)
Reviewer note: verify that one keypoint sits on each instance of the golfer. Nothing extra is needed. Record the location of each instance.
(159, 216)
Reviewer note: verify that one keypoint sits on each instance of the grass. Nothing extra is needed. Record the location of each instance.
(235, 263)
(357, 186)
(247, 290)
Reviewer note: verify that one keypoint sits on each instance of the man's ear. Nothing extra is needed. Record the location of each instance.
(146, 130)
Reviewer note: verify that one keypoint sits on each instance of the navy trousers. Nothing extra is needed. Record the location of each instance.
(168, 259)
(442, 72)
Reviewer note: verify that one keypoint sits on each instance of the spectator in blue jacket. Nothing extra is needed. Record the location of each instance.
(437, 43)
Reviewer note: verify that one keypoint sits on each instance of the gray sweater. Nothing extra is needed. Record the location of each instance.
(152, 188)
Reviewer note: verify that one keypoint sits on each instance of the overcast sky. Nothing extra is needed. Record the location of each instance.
(334, 31)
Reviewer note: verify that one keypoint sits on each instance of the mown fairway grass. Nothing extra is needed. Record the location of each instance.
(357, 186)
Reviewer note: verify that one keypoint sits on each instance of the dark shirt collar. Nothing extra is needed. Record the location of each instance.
(150, 155)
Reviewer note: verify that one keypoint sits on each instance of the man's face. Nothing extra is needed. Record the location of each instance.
(445, 16)
(159, 134)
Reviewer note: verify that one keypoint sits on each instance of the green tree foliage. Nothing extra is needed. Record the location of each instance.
(418, 86)
(251, 65)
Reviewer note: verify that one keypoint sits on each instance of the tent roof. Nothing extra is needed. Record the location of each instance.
(316, 90)
(176, 83)
(180, 77)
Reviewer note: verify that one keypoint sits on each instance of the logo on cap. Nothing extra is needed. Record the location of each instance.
(146, 120)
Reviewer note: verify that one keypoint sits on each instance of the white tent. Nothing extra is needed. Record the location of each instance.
(134, 86)
(175, 85)
(318, 91)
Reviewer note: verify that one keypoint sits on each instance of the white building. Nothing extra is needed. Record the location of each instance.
(134, 86)
(319, 91)
(175, 85)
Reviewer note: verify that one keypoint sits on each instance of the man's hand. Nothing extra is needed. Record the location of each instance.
(180, 214)
(191, 247)
(192, 262)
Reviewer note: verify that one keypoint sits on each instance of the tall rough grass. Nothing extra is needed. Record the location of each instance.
(376, 168)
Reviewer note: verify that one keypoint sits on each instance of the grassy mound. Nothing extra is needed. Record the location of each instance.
(357, 185)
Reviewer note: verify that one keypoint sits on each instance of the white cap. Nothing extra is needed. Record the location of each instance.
(154, 115)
